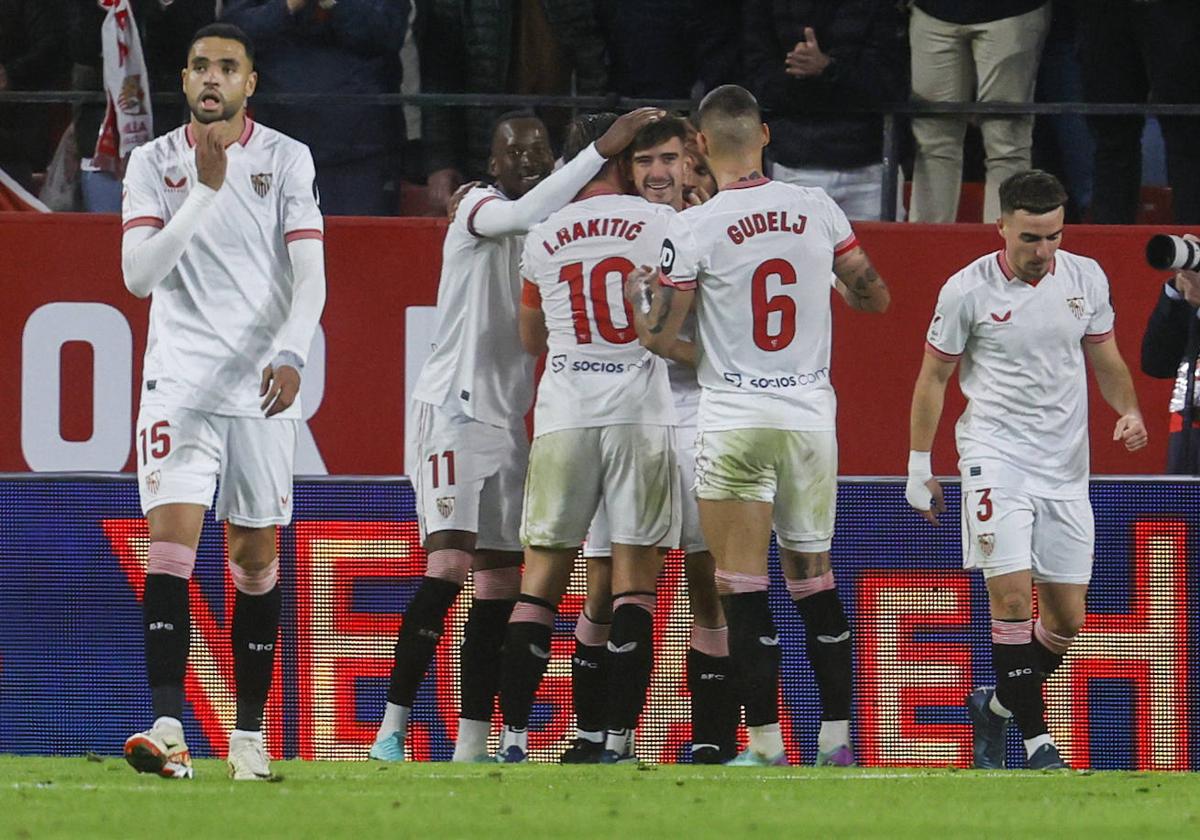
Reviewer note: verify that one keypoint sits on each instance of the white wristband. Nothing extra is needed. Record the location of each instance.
(920, 465)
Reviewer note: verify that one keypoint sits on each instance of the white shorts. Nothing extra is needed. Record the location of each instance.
(181, 453)
(467, 476)
(630, 468)
(691, 540)
(796, 471)
(1008, 531)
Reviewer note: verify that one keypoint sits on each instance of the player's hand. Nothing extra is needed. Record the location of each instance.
(621, 133)
(456, 199)
(695, 196)
(210, 154)
(806, 59)
(639, 288)
(922, 490)
(280, 385)
(442, 185)
(1132, 431)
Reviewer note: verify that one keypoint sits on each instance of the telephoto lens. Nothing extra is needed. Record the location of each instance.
(1165, 251)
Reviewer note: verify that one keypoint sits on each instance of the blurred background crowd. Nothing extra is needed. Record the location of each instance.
(823, 70)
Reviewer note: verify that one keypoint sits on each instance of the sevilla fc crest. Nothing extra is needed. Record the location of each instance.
(153, 482)
(261, 183)
(987, 543)
(1076, 304)
(445, 506)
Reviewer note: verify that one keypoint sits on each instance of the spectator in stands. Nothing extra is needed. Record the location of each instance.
(166, 29)
(808, 58)
(701, 52)
(333, 47)
(1169, 349)
(494, 46)
(32, 36)
(986, 49)
(1133, 50)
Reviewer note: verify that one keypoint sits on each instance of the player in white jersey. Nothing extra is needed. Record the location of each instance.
(467, 445)
(222, 228)
(602, 432)
(763, 255)
(1019, 324)
(664, 170)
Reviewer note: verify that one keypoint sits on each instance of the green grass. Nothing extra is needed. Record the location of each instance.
(75, 797)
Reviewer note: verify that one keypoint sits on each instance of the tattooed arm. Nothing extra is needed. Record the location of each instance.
(658, 312)
(859, 283)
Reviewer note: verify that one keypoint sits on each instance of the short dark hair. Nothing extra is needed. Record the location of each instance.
(1033, 191)
(727, 116)
(656, 133)
(585, 130)
(224, 30)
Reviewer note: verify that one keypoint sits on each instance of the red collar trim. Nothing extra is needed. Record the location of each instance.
(1010, 275)
(742, 184)
(247, 130)
(595, 190)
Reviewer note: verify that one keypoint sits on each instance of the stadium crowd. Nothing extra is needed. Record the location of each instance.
(807, 61)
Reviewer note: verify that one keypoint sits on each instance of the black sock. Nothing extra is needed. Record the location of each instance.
(631, 658)
(754, 650)
(714, 710)
(253, 636)
(167, 622)
(419, 635)
(1019, 687)
(589, 686)
(1047, 660)
(526, 655)
(829, 651)
(479, 662)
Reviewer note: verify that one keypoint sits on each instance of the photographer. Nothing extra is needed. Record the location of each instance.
(1169, 350)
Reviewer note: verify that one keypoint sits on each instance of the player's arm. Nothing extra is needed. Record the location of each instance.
(659, 310)
(531, 320)
(150, 249)
(859, 283)
(923, 491)
(1116, 386)
(493, 218)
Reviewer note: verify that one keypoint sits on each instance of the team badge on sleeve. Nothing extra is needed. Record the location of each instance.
(261, 183)
(935, 327)
(666, 260)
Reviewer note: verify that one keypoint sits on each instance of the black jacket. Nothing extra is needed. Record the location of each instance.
(1165, 341)
(977, 11)
(32, 36)
(865, 39)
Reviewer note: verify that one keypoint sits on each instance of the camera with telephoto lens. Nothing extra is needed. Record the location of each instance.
(1165, 251)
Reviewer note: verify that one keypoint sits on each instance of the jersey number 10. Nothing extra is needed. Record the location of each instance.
(572, 275)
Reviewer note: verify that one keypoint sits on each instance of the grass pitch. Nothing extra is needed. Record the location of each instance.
(81, 798)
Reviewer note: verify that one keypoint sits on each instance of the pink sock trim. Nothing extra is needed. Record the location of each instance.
(449, 564)
(532, 613)
(258, 582)
(1052, 641)
(804, 587)
(498, 584)
(640, 599)
(711, 641)
(168, 558)
(736, 583)
(591, 633)
(1012, 632)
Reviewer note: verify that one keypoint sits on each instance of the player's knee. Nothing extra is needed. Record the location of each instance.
(804, 564)
(254, 578)
(450, 565)
(1011, 605)
(169, 558)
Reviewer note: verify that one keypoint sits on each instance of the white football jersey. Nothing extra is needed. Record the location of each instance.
(477, 366)
(216, 318)
(1022, 370)
(685, 389)
(761, 254)
(574, 265)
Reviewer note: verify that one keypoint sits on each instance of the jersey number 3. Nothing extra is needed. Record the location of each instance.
(572, 275)
(764, 307)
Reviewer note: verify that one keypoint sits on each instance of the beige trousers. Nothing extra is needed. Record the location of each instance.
(985, 62)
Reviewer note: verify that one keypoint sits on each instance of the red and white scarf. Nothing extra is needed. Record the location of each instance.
(128, 120)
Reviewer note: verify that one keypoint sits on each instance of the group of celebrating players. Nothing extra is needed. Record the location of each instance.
(682, 303)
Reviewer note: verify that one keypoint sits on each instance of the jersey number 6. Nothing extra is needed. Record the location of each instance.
(572, 275)
(764, 306)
